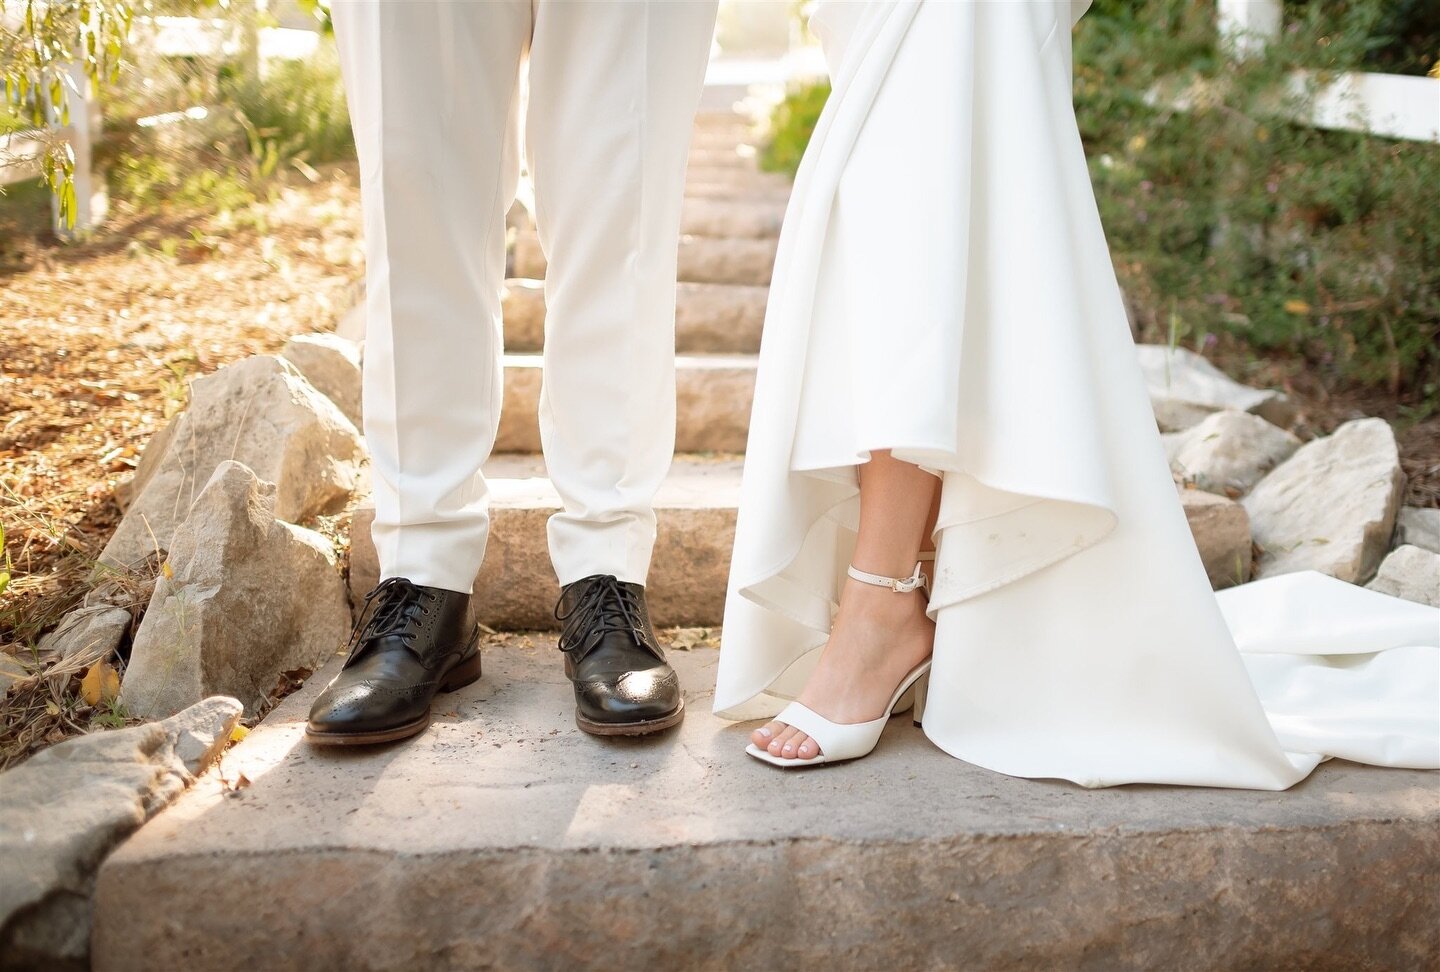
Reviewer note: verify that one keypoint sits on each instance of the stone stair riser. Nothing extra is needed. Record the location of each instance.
(744, 180)
(1248, 897)
(732, 218)
(516, 589)
(709, 318)
(735, 157)
(689, 573)
(702, 259)
(712, 408)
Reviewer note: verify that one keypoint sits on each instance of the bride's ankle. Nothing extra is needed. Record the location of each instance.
(863, 602)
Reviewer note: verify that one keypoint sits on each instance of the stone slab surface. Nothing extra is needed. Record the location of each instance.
(503, 838)
(713, 394)
(516, 588)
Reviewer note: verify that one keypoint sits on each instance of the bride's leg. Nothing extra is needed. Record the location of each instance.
(878, 635)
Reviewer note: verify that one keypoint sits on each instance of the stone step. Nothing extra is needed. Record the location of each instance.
(743, 180)
(702, 259)
(739, 156)
(709, 318)
(724, 124)
(733, 218)
(696, 512)
(516, 588)
(504, 838)
(713, 394)
(724, 191)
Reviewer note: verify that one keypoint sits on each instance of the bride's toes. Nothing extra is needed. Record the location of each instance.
(762, 737)
(783, 744)
(807, 748)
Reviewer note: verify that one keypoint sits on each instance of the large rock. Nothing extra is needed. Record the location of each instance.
(1185, 388)
(246, 598)
(1222, 535)
(88, 634)
(1331, 506)
(1410, 572)
(66, 808)
(1229, 451)
(332, 364)
(1420, 527)
(151, 458)
(261, 412)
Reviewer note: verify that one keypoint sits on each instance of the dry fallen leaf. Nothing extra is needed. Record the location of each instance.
(100, 685)
(238, 733)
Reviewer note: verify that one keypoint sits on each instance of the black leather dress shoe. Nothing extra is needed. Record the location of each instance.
(623, 685)
(415, 643)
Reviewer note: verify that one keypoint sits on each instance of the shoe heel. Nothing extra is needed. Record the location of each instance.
(905, 702)
(922, 690)
(463, 674)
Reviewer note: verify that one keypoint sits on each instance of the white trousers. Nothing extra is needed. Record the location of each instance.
(434, 99)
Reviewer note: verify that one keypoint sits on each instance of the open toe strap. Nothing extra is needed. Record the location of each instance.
(836, 741)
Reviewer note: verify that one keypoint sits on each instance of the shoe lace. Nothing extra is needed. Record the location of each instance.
(398, 604)
(604, 606)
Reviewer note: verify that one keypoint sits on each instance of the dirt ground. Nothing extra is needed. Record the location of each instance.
(98, 342)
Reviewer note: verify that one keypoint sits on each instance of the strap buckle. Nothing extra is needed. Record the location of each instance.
(900, 585)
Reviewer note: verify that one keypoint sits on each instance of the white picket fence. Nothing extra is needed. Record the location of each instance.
(1392, 105)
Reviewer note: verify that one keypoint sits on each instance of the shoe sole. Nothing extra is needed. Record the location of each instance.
(643, 728)
(463, 674)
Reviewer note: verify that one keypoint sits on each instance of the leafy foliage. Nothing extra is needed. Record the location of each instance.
(43, 43)
(1235, 220)
(793, 121)
(5, 559)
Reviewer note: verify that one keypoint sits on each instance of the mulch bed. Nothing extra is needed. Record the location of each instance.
(98, 342)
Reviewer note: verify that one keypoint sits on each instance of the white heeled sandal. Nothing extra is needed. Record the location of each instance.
(842, 741)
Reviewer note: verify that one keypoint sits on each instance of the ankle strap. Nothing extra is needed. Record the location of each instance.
(900, 585)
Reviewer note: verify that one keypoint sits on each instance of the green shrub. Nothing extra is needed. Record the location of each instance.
(298, 105)
(1229, 219)
(255, 127)
(790, 127)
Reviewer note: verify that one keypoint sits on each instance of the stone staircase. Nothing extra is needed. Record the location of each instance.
(503, 838)
(732, 219)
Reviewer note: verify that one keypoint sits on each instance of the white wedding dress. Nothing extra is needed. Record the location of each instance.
(943, 289)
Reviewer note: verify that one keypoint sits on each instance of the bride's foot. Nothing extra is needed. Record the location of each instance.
(878, 637)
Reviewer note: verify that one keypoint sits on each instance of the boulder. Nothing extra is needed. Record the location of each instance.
(88, 634)
(332, 364)
(263, 413)
(1410, 572)
(67, 807)
(1229, 451)
(1331, 506)
(150, 460)
(1185, 388)
(1419, 527)
(246, 597)
(1222, 535)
